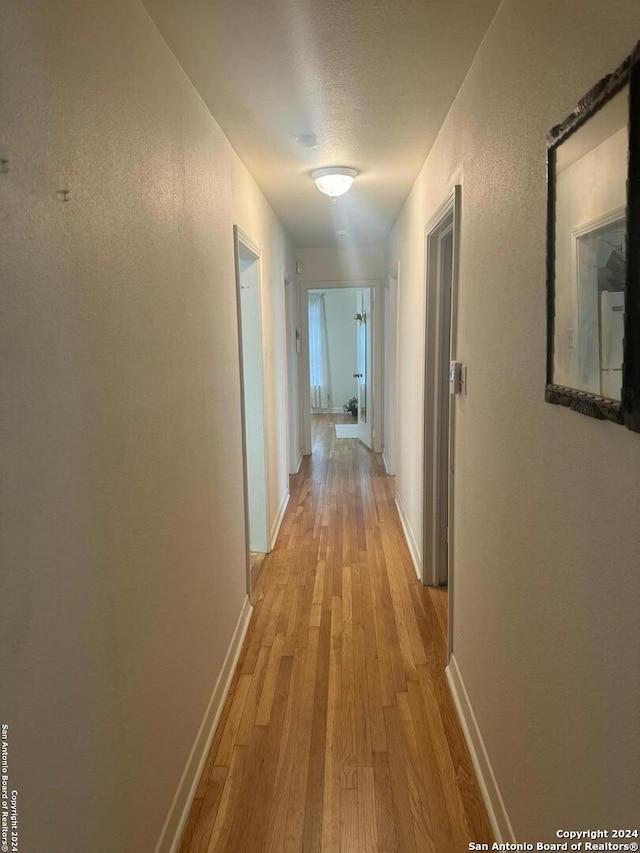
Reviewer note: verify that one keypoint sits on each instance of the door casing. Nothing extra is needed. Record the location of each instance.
(391, 293)
(376, 332)
(364, 332)
(439, 408)
(254, 445)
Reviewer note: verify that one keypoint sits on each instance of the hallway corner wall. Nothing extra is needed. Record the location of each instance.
(122, 543)
(547, 544)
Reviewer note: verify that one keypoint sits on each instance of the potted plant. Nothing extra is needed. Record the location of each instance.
(352, 406)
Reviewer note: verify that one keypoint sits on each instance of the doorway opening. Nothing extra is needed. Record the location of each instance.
(441, 287)
(252, 400)
(337, 323)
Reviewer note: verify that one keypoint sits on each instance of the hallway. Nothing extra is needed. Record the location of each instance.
(142, 141)
(339, 732)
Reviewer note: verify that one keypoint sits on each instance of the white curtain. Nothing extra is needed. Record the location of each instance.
(319, 373)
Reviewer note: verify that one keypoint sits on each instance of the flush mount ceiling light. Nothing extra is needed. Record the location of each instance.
(334, 180)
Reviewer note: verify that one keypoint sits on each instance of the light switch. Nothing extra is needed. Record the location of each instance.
(457, 378)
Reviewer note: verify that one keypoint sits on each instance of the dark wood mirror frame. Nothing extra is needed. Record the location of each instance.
(627, 411)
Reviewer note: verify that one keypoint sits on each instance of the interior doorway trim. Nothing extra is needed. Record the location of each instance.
(256, 468)
(439, 411)
(303, 319)
(294, 441)
(391, 339)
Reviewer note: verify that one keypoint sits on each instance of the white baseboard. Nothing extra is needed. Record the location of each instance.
(411, 539)
(387, 467)
(171, 834)
(330, 410)
(498, 817)
(275, 527)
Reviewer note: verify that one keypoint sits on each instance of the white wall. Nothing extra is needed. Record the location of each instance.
(547, 544)
(348, 264)
(122, 541)
(340, 308)
(253, 399)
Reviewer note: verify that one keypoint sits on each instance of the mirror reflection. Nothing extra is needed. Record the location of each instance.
(590, 252)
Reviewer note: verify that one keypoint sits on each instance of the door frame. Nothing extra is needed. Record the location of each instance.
(445, 220)
(391, 339)
(241, 239)
(294, 449)
(376, 335)
(365, 361)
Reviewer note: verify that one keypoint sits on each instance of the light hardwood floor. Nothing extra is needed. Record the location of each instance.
(256, 559)
(339, 732)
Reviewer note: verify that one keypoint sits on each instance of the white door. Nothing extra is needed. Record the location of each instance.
(364, 327)
(250, 323)
(445, 251)
(441, 245)
(437, 404)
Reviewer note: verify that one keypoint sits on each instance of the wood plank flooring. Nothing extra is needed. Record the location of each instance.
(339, 732)
(256, 559)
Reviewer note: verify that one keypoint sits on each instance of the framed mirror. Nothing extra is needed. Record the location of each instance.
(593, 243)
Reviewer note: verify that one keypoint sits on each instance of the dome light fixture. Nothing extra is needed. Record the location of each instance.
(334, 180)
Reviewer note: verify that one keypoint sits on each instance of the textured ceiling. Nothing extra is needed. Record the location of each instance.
(372, 80)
